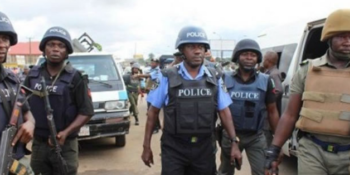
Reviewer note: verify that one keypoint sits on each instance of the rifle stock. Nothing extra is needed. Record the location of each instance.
(53, 133)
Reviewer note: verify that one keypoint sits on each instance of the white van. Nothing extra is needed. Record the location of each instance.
(109, 96)
(294, 43)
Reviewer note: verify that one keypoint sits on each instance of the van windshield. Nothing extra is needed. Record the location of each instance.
(97, 67)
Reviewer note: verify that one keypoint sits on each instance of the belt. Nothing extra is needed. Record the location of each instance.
(329, 147)
(188, 138)
(46, 139)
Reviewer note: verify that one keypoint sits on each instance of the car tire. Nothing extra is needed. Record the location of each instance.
(120, 141)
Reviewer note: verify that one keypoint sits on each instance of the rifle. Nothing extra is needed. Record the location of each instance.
(7, 162)
(63, 168)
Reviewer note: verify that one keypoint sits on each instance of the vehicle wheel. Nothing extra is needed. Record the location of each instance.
(120, 141)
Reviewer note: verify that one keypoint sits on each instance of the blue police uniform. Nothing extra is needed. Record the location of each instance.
(155, 74)
(158, 97)
(187, 146)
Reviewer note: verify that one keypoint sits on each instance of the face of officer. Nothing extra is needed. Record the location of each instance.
(194, 54)
(154, 64)
(340, 45)
(26, 71)
(248, 60)
(270, 59)
(4, 47)
(56, 52)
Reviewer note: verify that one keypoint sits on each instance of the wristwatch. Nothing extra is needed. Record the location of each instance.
(235, 139)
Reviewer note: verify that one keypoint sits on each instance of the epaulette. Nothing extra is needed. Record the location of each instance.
(305, 62)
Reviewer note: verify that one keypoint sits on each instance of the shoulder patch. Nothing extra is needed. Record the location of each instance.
(155, 84)
(305, 62)
(273, 83)
(223, 86)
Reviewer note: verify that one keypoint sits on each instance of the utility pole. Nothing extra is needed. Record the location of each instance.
(30, 49)
(221, 52)
(135, 51)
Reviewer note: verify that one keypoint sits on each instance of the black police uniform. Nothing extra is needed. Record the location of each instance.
(68, 97)
(7, 78)
(186, 143)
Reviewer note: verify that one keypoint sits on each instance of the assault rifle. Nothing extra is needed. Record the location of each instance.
(7, 162)
(63, 168)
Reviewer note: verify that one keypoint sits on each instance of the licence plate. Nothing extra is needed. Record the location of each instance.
(84, 131)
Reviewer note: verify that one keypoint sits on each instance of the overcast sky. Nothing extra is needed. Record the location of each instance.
(152, 25)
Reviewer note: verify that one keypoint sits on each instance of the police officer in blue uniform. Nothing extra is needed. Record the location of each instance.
(154, 77)
(190, 95)
(8, 87)
(252, 94)
(69, 99)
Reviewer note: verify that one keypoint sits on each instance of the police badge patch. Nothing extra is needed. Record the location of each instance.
(223, 86)
(155, 84)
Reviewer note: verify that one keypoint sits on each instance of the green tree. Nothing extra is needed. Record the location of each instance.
(98, 46)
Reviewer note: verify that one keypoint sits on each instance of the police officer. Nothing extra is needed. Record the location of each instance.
(69, 99)
(319, 94)
(24, 73)
(252, 94)
(8, 87)
(178, 59)
(270, 68)
(133, 83)
(190, 94)
(151, 82)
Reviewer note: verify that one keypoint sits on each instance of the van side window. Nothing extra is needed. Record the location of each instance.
(286, 57)
(313, 47)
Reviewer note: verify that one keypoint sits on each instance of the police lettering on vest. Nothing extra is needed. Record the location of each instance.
(195, 34)
(245, 95)
(194, 92)
(64, 111)
(192, 104)
(248, 104)
(38, 87)
(7, 92)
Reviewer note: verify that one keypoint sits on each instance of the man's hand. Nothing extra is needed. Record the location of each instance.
(25, 133)
(280, 158)
(61, 136)
(236, 155)
(147, 156)
(273, 158)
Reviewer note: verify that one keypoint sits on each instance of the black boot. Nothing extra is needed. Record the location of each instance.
(136, 120)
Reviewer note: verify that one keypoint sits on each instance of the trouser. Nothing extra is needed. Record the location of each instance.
(44, 159)
(183, 157)
(267, 129)
(133, 98)
(269, 136)
(312, 159)
(253, 144)
(157, 126)
(279, 103)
